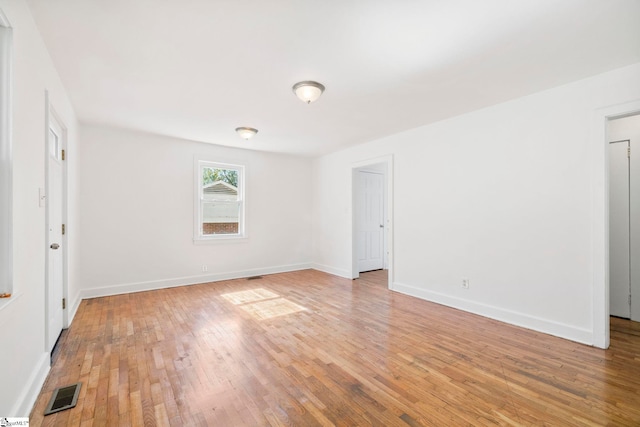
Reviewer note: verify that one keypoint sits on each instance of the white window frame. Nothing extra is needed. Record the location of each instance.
(198, 236)
(6, 197)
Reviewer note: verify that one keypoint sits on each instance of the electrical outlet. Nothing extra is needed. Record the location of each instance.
(205, 268)
(465, 283)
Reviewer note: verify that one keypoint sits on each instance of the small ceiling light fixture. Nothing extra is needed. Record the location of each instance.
(308, 91)
(246, 132)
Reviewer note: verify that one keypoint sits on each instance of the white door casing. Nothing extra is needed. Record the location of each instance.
(55, 249)
(370, 220)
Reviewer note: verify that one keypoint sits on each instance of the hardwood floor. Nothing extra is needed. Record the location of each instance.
(307, 348)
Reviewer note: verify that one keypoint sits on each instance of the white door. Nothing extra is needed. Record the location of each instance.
(634, 219)
(55, 252)
(619, 241)
(370, 221)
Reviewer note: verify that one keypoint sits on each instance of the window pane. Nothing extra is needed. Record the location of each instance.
(220, 217)
(6, 200)
(212, 176)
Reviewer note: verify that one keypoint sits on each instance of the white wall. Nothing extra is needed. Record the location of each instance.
(502, 196)
(24, 362)
(137, 217)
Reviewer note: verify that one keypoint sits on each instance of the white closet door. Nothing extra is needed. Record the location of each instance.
(634, 209)
(619, 233)
(370, 221)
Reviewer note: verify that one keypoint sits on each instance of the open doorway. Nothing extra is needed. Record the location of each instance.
(372, 231)
(600, 256)
(624, 216)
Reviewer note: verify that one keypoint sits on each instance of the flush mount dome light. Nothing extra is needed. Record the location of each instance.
(308, 91)
(246, 132)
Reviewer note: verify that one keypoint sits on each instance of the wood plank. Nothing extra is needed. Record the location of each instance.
(355, 354)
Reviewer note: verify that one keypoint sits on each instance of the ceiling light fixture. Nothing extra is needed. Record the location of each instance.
(246, 132)
(308, 91)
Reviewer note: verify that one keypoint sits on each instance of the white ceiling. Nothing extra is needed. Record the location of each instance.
(197, 69)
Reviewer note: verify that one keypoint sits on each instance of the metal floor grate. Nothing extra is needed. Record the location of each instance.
(63, 398)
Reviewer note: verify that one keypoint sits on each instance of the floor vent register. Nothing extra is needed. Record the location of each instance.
(63, 398)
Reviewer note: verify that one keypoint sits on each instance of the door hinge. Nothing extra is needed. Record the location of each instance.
(64, 303)
(628, 152)
(63, 154)
(64, 229)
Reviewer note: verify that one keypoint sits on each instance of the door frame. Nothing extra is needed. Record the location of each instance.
(388, 202)
(50, 115)
(600, 217)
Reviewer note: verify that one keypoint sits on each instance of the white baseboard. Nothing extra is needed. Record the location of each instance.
(561, 330)
(127, 288)
(29, 394)
(331, 270)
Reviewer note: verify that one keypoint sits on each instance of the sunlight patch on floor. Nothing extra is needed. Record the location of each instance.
(251, 295)
(272, 308)
(262, 304)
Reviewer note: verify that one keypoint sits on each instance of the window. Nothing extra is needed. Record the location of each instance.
(6, 215)
(220, 201)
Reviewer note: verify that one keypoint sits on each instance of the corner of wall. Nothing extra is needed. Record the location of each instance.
(74, 304)
(332, 270)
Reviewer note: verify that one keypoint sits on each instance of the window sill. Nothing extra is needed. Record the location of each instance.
(6, 302)
(220, 240)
